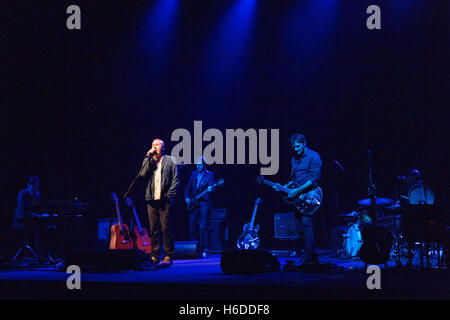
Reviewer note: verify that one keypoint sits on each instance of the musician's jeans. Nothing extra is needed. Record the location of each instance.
(199, 219)
(159, 218)
(309, 245)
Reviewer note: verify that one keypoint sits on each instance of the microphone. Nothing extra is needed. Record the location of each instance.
(401, 177)
(152, 152)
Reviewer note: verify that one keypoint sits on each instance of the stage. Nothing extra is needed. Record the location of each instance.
(319, 119)
(203, 279)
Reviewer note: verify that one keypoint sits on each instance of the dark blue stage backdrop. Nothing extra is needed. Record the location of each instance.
(80, 108)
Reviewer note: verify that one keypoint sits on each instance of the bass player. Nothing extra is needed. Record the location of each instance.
(200, 180)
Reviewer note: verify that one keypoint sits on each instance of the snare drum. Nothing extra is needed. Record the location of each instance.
(352, 240)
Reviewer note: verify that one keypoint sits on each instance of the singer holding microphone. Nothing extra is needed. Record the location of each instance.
(162, 172)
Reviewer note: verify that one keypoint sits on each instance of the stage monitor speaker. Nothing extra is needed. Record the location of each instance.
(218, 230)
(287, 226)
(236, 261)
(87, 259)
(126, 259)
(187, 250)
(90, 260)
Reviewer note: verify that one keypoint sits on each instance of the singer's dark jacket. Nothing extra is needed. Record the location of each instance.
(169, 177)
(206, 181)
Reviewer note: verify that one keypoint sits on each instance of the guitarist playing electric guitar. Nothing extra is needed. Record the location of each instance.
(305, 176)
(200, 209)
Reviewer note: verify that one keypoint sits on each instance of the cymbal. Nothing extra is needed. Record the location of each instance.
(351, 214)
(393, 206)
(388, 218)
(81, 204)
(378, 202)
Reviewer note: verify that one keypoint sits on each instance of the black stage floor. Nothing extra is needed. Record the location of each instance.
(203, 279)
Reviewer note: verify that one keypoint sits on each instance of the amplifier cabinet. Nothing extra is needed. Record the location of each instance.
(287, 226)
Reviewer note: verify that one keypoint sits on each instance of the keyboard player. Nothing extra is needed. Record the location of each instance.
(23, 225)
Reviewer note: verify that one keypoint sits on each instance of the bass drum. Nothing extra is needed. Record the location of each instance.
(420, 194)
(352, 240)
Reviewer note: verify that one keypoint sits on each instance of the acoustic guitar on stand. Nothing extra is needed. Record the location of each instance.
(120, 234)
(142, 239)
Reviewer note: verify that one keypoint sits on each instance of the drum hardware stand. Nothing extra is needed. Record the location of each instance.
(335, 203)
(397, 252)
(335, 198)
(25, 248)
(427, 251)
(372, 192)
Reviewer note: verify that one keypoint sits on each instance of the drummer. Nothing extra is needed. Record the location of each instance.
(412, 178)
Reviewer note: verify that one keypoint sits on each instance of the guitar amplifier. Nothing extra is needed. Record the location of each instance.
(218, 214)
(218, 230)
(287, 227)
(103, 232)
(187, 250)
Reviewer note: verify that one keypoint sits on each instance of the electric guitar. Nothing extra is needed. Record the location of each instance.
(249, 239)
(192, 205)
(142, 238)
(306, 203)
(120, 234)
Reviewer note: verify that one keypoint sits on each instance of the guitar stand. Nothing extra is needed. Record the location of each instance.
(25, 247)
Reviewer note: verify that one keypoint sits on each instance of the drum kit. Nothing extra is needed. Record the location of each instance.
(388, 214)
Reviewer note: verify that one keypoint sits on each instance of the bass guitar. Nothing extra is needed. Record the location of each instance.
(120, 234)
(193, 203)
(249, 239)
(306, 203)
(142, 238)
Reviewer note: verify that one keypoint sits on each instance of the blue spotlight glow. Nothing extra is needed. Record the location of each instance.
(158, 30)
(310, 25)
(230, 42)
(404, 5)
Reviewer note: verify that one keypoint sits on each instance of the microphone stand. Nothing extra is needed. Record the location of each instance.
(335, 187)
(372, 191)
(135, 178)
